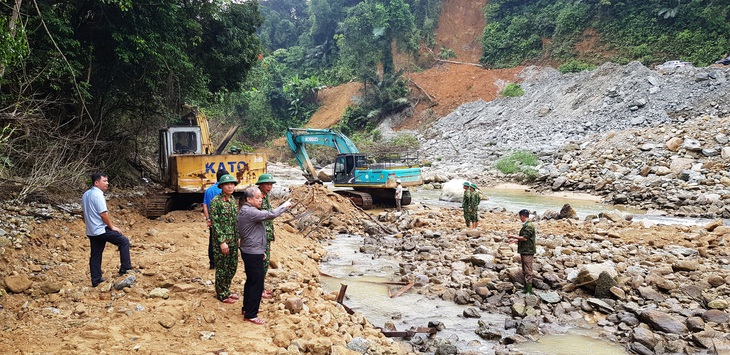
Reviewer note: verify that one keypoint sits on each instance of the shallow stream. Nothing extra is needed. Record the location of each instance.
(367, 293)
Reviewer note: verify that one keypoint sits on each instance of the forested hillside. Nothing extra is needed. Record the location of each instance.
(86, 85)
(595, 31)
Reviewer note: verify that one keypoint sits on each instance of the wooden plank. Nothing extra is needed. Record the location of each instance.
(402, 290)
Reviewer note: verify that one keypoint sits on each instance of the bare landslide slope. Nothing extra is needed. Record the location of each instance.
(48, 306)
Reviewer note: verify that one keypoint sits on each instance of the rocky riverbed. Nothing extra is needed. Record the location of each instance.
(654, 288)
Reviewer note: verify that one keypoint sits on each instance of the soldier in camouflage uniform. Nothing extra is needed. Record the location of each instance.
(223, 214)
(525, 247)
(475, 200)
(466, 203)
(266, 183)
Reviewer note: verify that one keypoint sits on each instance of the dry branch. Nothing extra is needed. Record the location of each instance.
(463, 63)
(423, 91)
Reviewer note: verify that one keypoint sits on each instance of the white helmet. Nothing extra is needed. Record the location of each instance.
(397, 181)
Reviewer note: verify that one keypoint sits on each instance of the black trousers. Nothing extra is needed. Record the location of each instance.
(98, 242)
(254, 285)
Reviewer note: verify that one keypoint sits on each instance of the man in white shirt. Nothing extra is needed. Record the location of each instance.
(100, 230)
(398, 193)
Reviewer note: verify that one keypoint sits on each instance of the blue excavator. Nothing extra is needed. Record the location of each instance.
(372, 178)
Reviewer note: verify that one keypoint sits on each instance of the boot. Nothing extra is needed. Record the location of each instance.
(528, 288)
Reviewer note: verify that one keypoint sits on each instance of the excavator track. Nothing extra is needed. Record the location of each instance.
(406, 199)
(156, 206)
(360, 199)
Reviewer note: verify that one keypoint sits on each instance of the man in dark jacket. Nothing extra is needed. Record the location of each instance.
(253, 249)
(525, 247)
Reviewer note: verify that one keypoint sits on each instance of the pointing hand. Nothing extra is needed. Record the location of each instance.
(287, 204)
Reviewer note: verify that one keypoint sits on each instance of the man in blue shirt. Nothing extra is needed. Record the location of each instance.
(210, 192)
(100, 230)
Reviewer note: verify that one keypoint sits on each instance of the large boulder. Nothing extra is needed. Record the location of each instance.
(17, 283)
(567, 212)
(588, 275)
(663, 322)
(604, 284)
(453, 191)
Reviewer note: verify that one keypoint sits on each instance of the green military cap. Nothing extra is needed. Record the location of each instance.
(226, 179)
(264, 178)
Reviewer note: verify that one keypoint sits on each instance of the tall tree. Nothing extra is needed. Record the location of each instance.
(371, 29)
(113, 71)
(284, 22)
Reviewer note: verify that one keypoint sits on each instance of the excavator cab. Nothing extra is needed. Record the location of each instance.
(186, 141)
(345, 165)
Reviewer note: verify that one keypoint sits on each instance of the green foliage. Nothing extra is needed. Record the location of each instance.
(508, 44)
(13, 46)
(284, 22)
(513, 90)
(369, 31)
(405, 142)
(520, 162)
(575, 66)
(425, 16)
(650, 31)
(571, 19)
(302, 97)
(381, 97)
(446, 53)
(240, 146)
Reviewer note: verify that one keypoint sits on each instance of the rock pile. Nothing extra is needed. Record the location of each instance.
(682, 169)
(562, 115)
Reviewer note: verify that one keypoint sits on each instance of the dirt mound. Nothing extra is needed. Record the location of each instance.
(445, 87)
(334, 101)
(171, 253)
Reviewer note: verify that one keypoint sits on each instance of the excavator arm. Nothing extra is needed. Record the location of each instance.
(299, 137)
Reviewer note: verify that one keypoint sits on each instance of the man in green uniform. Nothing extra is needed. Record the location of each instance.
(266, 183)
(466, 203)
(525, 247)
(223, 217)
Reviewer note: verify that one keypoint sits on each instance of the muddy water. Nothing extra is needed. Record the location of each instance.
(367, 293)
(514, 199)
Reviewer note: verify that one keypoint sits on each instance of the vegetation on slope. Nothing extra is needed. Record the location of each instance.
(650, 31)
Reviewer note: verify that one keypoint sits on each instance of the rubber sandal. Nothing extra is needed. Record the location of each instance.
(256, 320)
(229, 300)
(235, 296)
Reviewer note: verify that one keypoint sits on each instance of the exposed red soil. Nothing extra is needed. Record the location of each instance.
(460, 28)
(450, 85)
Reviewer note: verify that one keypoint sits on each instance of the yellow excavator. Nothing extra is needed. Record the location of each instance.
(188, 163)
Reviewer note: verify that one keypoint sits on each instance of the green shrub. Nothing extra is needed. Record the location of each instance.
(513, 90)
(520, 162)
(405, 141)
(574, 66)
(446, 53)
(244, 148)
